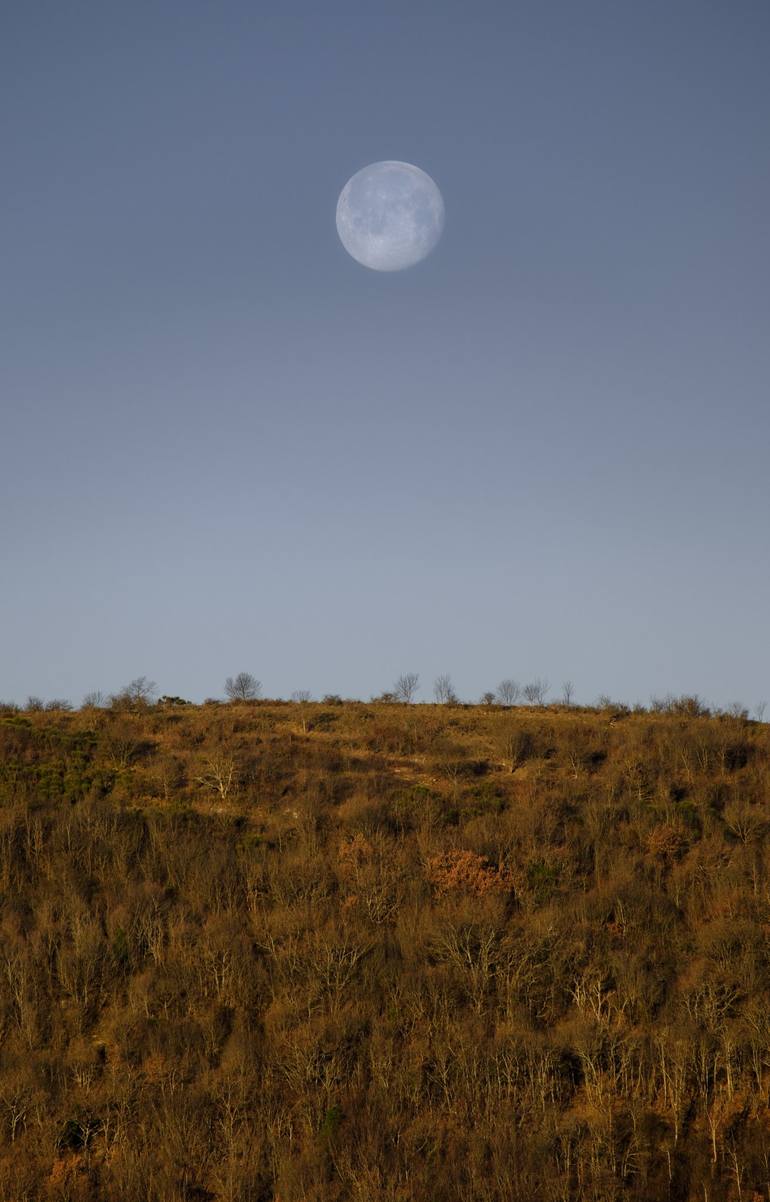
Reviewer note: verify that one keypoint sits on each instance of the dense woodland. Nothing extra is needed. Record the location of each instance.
(313, 952)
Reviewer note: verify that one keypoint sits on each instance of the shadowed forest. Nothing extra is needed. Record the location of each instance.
(307, 952)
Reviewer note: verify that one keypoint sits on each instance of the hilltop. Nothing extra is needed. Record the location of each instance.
(287, 952)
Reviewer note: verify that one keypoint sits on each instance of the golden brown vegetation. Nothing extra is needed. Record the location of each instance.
(284, 953)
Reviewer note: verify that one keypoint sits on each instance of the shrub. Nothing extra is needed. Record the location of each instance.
(465, 871)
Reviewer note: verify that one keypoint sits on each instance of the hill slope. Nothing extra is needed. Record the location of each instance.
(271, 951)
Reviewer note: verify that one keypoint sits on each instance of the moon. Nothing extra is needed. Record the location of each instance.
(390, 215)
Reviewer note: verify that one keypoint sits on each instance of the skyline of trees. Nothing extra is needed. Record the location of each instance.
(245, 687)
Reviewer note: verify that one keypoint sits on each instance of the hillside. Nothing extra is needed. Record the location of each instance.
(300, 952)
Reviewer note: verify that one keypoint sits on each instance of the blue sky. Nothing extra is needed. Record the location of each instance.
(225, 445)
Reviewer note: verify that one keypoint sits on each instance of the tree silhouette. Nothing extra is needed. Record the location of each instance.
(243, 687)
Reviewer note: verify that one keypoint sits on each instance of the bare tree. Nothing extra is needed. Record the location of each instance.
(744, 822)
(301, 697)
(243, 687)
(121, 745)
(567, 692)
(38, 704)
(759, 710)
(406, 687)
(139, 692)
(141, 689)
(218, 774)
(508, 691)
(93, 700)
(443, 690)
(535, 691)
(487, 698)
(515, 746)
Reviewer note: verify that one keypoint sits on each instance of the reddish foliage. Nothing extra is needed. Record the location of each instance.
(468, 872)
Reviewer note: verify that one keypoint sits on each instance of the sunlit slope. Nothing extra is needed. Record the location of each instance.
(283, 951)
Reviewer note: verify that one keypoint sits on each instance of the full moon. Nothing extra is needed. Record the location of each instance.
(389, 216)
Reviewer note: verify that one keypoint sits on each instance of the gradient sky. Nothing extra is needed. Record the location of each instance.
(224, 445)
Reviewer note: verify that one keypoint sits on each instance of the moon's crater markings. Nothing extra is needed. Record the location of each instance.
(390, 215)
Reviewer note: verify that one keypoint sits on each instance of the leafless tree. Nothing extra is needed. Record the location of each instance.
(443, 690)
(121, 745)
(139, 692)
(515, 746)
(406, 687)
(93, 700)
(301, 697)
(745, 822)
(487, 698)
(759, 710)
(141, 689)
(567, 692)
(535, 691)
(243, 687)
(508, 691)
(218, 774)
